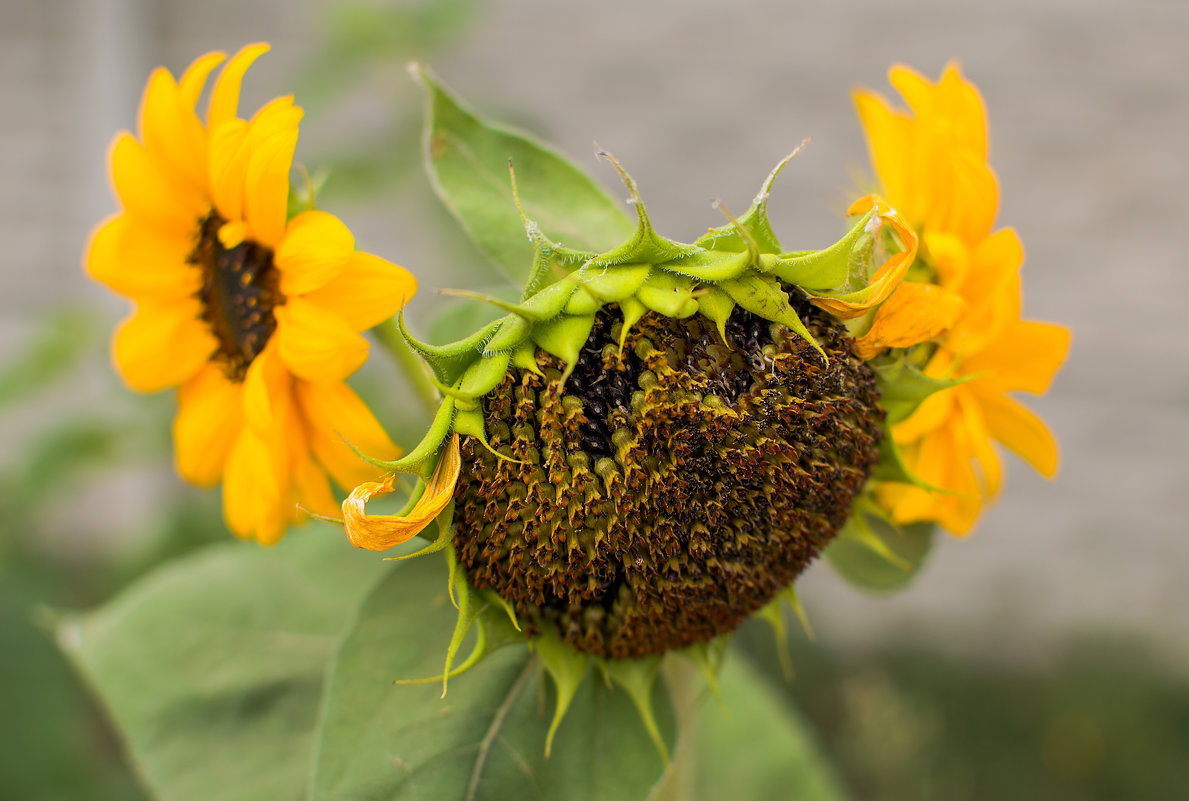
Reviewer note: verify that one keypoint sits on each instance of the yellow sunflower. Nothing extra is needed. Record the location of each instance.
(254, 317)
(932, 165)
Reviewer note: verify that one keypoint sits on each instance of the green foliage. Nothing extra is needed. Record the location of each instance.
(213, 666)
(753, 746)
(468, 161)
(55, 744)
(1099, 722)
(486, 739)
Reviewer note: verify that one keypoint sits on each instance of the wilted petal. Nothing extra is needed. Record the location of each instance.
(914, 313)
(381, 532)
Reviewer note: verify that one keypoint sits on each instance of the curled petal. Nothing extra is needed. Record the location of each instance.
(381, 532)
(887, 277)
(914, 313)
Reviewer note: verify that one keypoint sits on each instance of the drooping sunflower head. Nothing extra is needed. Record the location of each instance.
(255, 316)
(672, 484)
(658, 438)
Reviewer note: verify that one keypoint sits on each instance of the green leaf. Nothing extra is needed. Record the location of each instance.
(213, 666)
(467, 159)
(754, 746)
(867, 565)
(486, 739)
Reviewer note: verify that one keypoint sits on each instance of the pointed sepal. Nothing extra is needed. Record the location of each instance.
(448, 362)
(637, 677)
(766, 297)
(755, 222)
(866, 289)
(567, 667)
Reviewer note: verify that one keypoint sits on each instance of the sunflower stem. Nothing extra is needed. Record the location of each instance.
(414, 368)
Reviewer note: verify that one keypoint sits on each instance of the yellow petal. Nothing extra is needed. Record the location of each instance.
(315, 250)
(971, 201)
(273, 138)
(949, 255)
(169, 127)
(268, 393)
(313, 488)
(315, 344)
(914, 313)
(225, 95)
(1020, 430)
(249, 166)
(150, 193)
(942, 460)
(369, 291)
(1025, 356)
(948, 185)
(140, 262)
(381, 532)
(915, 88)
(208, 421)
(953, 102)
(256, 497)
(885, 280)
(193, 80)
(335, 416)
(994, 261)
(229, 156)
(965, 110)
(888, 136)
(934, 411)
(162, 344)
(979, 437)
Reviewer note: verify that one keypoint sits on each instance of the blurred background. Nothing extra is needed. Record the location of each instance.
(1044, 657)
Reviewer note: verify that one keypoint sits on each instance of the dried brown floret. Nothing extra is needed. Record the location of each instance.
(665, 492)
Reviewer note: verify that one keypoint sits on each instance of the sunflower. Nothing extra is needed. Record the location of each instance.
(651, 446)
(966, 304)
(254, 316)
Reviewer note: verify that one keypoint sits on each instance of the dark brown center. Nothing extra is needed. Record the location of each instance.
(240, 289)
(666, 493)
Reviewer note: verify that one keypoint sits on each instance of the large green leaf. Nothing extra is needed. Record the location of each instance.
(754, 746)
(213, 666)
(486, 739)
(467, 159)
